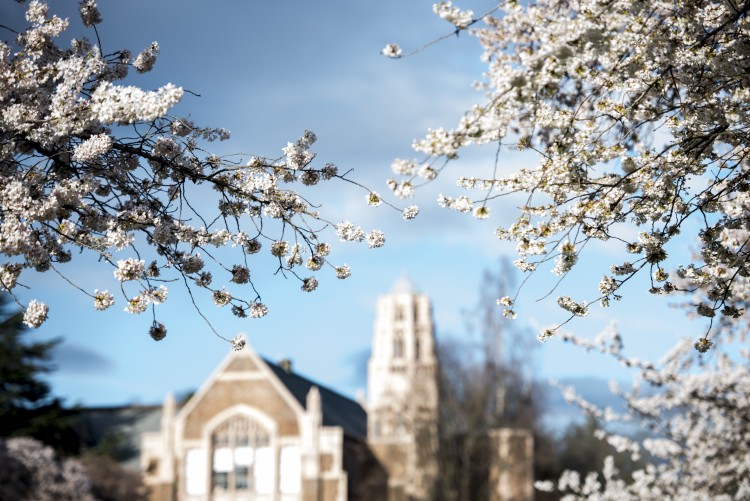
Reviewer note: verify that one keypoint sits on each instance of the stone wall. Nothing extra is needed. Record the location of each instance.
(512, 466)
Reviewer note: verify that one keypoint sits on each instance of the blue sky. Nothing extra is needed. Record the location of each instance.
(267, 71)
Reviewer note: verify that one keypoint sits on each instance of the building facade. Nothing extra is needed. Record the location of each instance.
(257, 431)
(402, 407)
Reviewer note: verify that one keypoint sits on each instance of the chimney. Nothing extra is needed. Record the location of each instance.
(286, 365)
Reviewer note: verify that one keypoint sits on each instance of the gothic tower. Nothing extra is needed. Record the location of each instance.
(402, 392)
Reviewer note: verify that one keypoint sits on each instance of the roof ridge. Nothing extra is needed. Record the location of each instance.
(320, 387)
(337, 409)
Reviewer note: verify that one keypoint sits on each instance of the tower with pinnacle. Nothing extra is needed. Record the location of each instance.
(402, 392)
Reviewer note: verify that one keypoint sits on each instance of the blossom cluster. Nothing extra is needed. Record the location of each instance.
(695, 410)
(454, 15)
(585, 85)
(33, 470)
(73, 179)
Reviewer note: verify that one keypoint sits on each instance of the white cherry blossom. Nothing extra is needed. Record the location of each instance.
(632, 113)
(75, 182)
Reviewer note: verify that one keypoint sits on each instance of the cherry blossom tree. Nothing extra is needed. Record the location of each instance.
(697, 416)
(31, 470)
(637, 112)
(636, 115)
(91, 165)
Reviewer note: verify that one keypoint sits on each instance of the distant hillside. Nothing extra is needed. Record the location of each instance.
(558, 413)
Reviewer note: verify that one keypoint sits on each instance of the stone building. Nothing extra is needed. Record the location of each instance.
(257, 431)
(402, 407)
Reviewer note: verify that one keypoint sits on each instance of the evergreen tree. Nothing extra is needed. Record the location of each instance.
(583, 448)
(26, 406)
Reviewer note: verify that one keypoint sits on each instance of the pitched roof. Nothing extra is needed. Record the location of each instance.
(338, 410)
(124, 425)
(404, 285)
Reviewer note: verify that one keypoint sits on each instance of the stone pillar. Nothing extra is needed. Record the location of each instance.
(313, 421)
(157, 455)
(512, 465)
(169, 410)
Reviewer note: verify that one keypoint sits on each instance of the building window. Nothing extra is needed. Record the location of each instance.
(416, 348)
(242, 459)
(398, 345)
(399, 312)
(195, 472)
(291, 470)
(400, 425)
(376, 428)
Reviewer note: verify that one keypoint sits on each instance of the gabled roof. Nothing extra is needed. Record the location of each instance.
(125, 424)
(338, 410)
(404, 285)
